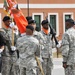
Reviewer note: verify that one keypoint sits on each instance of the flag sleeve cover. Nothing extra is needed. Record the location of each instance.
(18, 16)
(21, 21)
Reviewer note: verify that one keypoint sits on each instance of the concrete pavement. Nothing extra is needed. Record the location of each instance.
(58, 69)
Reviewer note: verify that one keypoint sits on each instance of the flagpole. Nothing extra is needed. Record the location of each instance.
(12, 34)
(28, 7)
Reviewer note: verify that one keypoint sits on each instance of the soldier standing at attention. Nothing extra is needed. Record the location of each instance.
(68, 48)
(46, 52)
(9, 55)
(28, 49)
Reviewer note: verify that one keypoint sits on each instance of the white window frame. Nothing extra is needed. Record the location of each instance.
(0, 21)
(57, 22)
(41, 14)
(64, 19)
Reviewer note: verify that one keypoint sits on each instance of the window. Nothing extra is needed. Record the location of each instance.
(53, 19)
(38, 17)
(66, 16)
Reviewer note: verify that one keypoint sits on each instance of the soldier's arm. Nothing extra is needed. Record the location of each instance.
(18, 43)
(41, 41)
(37, 53)
(65, 47)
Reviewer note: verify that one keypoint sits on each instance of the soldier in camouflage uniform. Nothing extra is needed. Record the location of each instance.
(39, 37)
(28, 49)
(36, 34)
(9, 56)
(46, 52)
(2, 44)
(68, 48)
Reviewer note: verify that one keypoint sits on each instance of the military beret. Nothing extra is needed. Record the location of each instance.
(70, 21)
(31, 21)
(6, 18)
(44, 22)
(30, 27)
(28, 18)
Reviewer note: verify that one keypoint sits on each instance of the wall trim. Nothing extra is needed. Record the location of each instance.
(44, 5)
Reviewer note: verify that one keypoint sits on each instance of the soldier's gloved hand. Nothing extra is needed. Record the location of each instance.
(1, 50)
(13, 48)
(59, 44)
(41, 60)
(12, 24)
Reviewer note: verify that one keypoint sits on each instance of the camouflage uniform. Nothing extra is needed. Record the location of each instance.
(46, 54)
(68, 51)
(40, 38)
(8, 58)
(28, 47)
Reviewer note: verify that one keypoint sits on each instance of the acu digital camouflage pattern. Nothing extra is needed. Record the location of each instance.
(46, 53)
(28, 47)
(68, 50)
(40, 38)
(8, 60)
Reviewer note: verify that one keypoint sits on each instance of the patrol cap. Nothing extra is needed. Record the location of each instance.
(6, 18)
(44, 22)
(29, 18)
(70, 21)
(30, 27)
(31, 21)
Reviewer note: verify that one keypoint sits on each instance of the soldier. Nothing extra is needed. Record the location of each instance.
(28, 49)
(1, 50)
(2, 44)
(39, 37)
(36, 34)
(46, 52)
(9, 55)
(68, 48)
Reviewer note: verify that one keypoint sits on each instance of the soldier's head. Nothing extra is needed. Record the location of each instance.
(7, 20)
(29, 30)
(45, 24)
(29, 18)
(69, 23)
(32, 23)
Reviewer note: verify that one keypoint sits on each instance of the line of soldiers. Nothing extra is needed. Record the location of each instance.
(20, 58)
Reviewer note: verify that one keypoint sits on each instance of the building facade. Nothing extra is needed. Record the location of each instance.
(56, 11)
